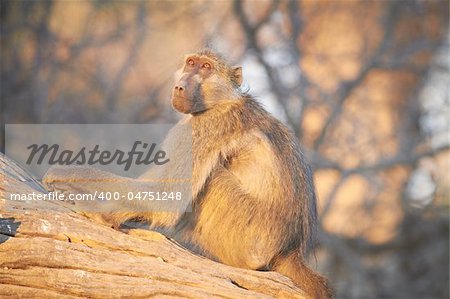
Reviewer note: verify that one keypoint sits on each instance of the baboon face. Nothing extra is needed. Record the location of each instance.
(204, 81)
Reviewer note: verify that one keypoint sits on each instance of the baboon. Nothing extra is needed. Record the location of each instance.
(254, 202)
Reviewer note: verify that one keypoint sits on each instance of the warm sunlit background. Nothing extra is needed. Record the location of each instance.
(363, 84)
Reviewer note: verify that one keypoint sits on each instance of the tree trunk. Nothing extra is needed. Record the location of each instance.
(49, 251)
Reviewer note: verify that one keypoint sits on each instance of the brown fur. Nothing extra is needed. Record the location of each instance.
(254, 203)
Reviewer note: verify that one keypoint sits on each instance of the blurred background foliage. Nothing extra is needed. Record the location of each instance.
(363, 84)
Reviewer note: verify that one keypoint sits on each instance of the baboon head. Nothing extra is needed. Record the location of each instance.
(204, 81)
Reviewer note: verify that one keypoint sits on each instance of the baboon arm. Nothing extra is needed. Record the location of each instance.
(85, 179)
(256, 168)
(88, 180)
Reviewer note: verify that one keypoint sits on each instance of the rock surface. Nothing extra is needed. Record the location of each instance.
(49, 251)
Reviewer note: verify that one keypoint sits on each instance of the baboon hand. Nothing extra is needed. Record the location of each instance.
(72, 179)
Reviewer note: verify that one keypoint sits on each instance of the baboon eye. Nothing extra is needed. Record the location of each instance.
(190, 62)
(206, 65)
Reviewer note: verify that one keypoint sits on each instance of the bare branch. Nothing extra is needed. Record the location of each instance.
(348, 87)
(251, 32)
(141, 28)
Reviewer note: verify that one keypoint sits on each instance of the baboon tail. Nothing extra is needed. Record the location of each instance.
(312, 283)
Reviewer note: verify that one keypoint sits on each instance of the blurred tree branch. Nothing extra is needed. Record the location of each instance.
(347, 87)
(388, 54)
(140, 27)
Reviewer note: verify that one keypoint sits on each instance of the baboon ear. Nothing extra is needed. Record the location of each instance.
(237, 75)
